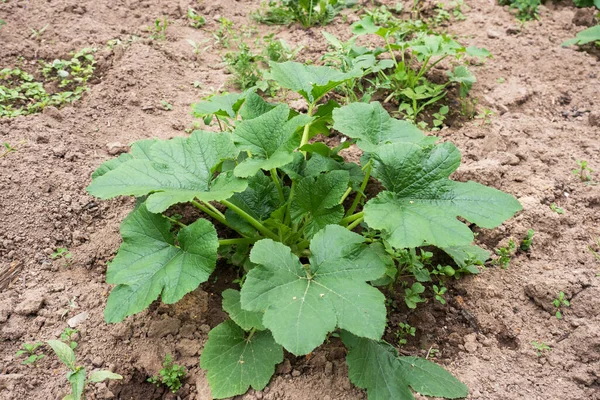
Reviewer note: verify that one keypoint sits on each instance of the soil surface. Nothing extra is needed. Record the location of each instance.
(546, 104)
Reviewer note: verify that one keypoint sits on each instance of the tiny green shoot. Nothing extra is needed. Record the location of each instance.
(557, 209)
(559, 303)
(30, 349)
(540, 348)
(170, 375)
(505, 254)
(527, 241)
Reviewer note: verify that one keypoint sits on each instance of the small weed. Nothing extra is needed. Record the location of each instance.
(485, 116)
(439, 292)
(557, 209)
(527, 241)
(159, 31)
(540, 347)
(431, 353)
(404, 330)
(500, 80)
(584, 173)
(412, 295)
(439, 117)
(166, 105)
(8, 149)
(526, 9)
(197, 47)
(559, 303)
(2, 23)
(505, 254)
(196, 21)
(307, 13)
(30, 349)
(594, 248)
(64, 254)
(170, 375)
(66, 336)
(224, 33)
(37, 35)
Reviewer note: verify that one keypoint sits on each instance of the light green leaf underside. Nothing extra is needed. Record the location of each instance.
(375, 366)
(270, 139)
(99, 376)
(245, 319)
(226, 105)
(77, 381)
(64, 353)
(462, 254)
(234, 363)
(317, 198)
(176, 171)
(372, 126)
(310, 81)
(149, 265)
(301, 308)
(421, 204)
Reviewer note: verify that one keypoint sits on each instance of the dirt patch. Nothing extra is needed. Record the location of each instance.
(545, 101)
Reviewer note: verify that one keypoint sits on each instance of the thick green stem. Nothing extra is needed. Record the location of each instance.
(355, 223)
(352, 218)
(218, 217)
(259, 227)
(213, 209)
(275, 179)
(173, 220)
(348, 191)
(307, 128)
(250, 334)
(227, 242)
(363, 186)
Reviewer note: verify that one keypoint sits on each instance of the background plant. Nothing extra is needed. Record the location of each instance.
(305, 12)
(560, 302)
(30, 350)
(170, 375)
(297, 225)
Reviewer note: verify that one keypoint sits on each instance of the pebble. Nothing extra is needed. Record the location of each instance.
(296, 373)
(594, 118)
(116, 148)
(493, 34)
(97, 362)
(78, 319)
(31, 304)
(164, 327)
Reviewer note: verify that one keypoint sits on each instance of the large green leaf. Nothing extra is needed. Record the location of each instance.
(235, 362)
(225, 105)
(77, 380)
(317, 199)
(149, 264)
(421, 203)
(176, 171)
(302, 303)
(64, 353)
(270, 139)
(376, 366)
(139, 150)
(245, 319)
(310, 81)
(585, 36)
(372, 126)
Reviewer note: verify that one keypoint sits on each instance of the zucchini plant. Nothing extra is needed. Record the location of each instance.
(309, 240)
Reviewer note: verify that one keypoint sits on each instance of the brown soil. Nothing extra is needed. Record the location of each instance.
(546, 106)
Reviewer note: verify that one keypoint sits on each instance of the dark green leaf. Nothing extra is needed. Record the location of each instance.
(245, 319)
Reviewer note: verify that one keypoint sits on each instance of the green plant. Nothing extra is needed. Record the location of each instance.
(196, 21)
(22, 94)
(66, 337)
(166, 105)
(64, 254)
(403, 331)
(301, 227)
(439, 293)
(560, 302)
(526, 9)
(527, 241)
(587, 3)
(540, 347)
(170, 375)
(77, 375)
(159, 30)
(505, 254)
(224, 33)
(2, 23)
(30, 349)
(556, 208)
(485, 116)
(37, 34)
(594, 248)
(584, 173)
(306, 12)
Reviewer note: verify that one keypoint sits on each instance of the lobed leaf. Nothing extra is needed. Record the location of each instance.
(421, 203)
(235, 362)
(304, 303)
(226, 105)
(139, 150)
(244, 319)
(375, 366)
(176, 171)
(310, 81)
(372, 126)
(270, 139)
(149, 264)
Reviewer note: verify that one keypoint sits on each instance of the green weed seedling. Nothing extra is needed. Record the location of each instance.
(557, 209)
(37, 34)
(304, 232)
(159, 30)
(223, 34)
(589, 35)
(66, 337)
(197, 49)
(195, 20)
(2, 23)
(30, 350)
(485, 116)
(527, 241)
(583, 172)
(526, 9)
(77, 374)
(594, 248)
(505, 254)
(170, 375)
(439, 292)
(404, 330)
(559, 303)
(166, 105)
(64, 254)
(306, 12)
(7, 149)
(412, 295)
(540, 348)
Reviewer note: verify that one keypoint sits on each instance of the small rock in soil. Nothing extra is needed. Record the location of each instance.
(471, 347)
(188, 348)
(164, 327)
(202, 388)
(78, 319)
(116, 148)
(296, 373)
(31, 304)
(493, 34)
(594, 118)
(284, 368)
(6, 308)
(53, 112)
(14, 328)
(97, 362)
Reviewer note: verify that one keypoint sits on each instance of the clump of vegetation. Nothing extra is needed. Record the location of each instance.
(30, 350)
(560, 302)
(22, 94)
(540, 348)
(306, 12)
(306, 237)
(583, 172)
(196, 21)
(527, 240)
(505, 254)
(170, 375)
(526, 9)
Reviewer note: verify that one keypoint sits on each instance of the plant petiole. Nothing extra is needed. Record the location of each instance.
(260, 227)
(275, 179)
(228, 242)
(173, 220)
